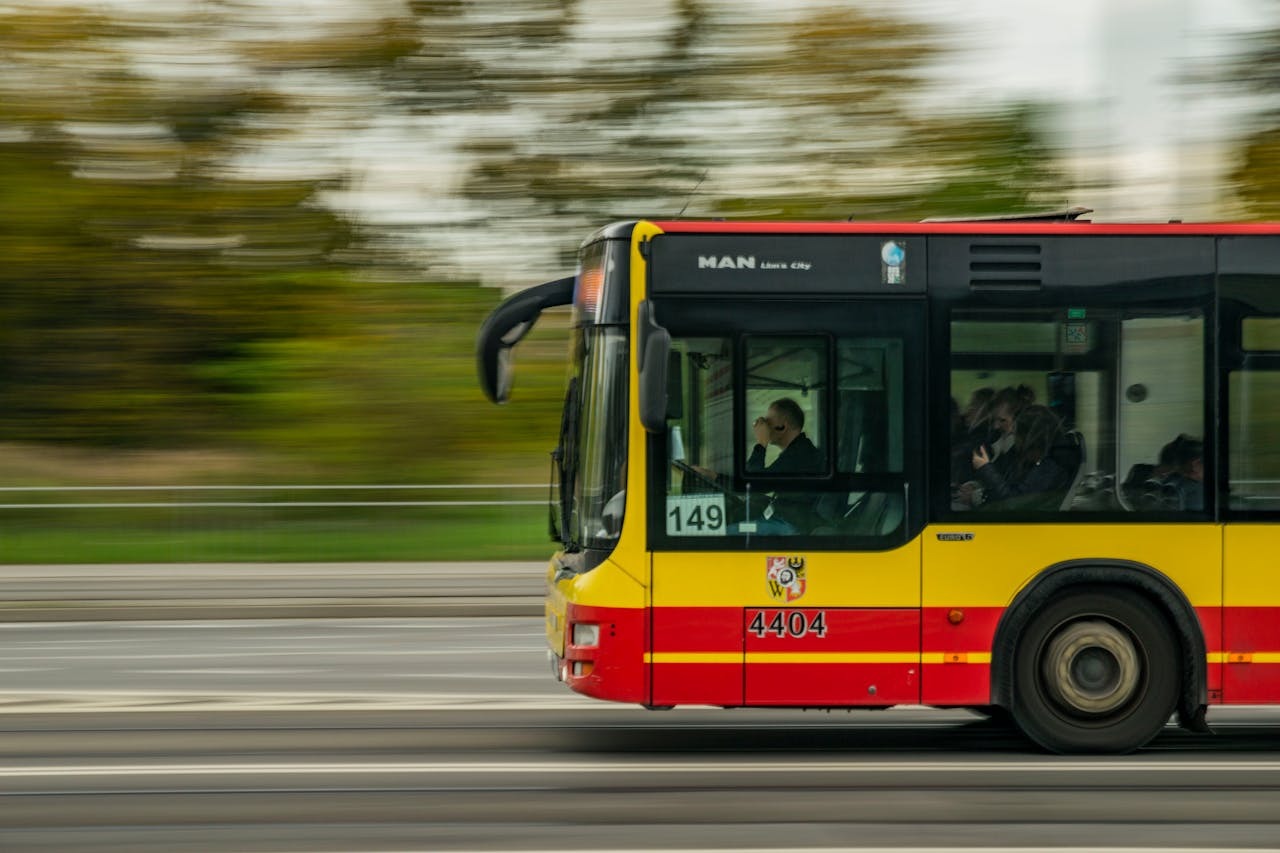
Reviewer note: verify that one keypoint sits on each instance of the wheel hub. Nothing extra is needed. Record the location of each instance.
(1091, 667)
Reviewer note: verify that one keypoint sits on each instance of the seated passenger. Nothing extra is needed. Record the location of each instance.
(1033, 467)
(1006, 406)
(973, 429)
(1186, 482)
(1176, 482)
(1003, 410)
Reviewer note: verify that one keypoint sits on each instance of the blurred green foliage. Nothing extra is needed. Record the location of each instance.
(153, 298)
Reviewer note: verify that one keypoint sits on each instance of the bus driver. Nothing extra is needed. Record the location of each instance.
(783, 425)
(784, 512)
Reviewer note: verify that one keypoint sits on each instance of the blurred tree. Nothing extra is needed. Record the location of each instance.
(720, 111)
(963, 165)
(1255, 69)
(135, 259)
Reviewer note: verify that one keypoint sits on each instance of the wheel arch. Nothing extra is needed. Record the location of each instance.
(1095, 573)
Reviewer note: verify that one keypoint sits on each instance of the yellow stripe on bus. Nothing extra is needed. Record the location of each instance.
(956, 657)
(894, 657)
(816, 657)
(693, 657)
(1244, 657)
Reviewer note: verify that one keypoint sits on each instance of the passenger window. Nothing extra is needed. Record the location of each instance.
(1260, 334)
(1073, 409)
(1253, 466)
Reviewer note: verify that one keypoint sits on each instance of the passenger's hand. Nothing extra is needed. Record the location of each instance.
(964, 496)
(980, 457)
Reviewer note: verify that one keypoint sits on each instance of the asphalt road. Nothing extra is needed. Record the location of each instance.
(447, 734)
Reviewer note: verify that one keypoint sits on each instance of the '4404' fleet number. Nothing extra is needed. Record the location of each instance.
(789, 623)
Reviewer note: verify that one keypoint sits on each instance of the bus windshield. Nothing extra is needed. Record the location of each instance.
(594, 440)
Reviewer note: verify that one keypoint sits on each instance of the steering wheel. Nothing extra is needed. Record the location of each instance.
(702, 478)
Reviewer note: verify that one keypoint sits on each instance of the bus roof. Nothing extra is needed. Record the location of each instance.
(1001, 226)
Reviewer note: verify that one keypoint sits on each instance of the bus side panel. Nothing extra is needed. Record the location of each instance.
(978, 568)
(836, 656)
(697, 655)
(956, 654)
(706, 651)
(1251, 657)
(1251, 633)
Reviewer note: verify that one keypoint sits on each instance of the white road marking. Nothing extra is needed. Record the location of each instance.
(509, 626)
(246, 671)
(328, 653)
(465, 676)
(614, 766)
(106, 701)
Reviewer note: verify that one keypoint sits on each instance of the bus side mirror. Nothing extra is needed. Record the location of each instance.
(654, 347)
(506, 326)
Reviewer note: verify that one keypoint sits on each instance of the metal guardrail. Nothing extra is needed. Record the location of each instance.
(195, 504)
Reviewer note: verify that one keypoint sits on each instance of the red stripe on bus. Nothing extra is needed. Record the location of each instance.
(976, 228)
(830, 629)
(723, 629)
(697, 629)
(698, 684)
(1251, 629)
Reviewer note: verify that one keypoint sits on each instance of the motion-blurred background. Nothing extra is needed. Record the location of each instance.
(245, 244)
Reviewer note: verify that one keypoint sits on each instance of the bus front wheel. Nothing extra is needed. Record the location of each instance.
(1095, 672)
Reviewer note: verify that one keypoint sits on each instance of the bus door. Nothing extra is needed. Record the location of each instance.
(1250, 349)
(782, 511)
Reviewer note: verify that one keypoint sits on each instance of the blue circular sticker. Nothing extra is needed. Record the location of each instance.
(892, 254)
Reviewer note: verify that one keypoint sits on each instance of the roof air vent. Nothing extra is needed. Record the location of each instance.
(1004, 266)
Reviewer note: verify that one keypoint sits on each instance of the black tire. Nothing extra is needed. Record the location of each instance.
(1095, 671)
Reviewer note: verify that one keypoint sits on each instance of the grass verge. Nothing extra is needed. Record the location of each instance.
(173, 536)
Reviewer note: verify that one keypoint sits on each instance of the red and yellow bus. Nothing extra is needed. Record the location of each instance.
(1138, 582)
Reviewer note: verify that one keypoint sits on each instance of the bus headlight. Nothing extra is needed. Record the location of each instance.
(586, 634)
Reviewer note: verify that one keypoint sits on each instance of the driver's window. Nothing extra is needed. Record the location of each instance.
(815, 447)
(781, 438)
